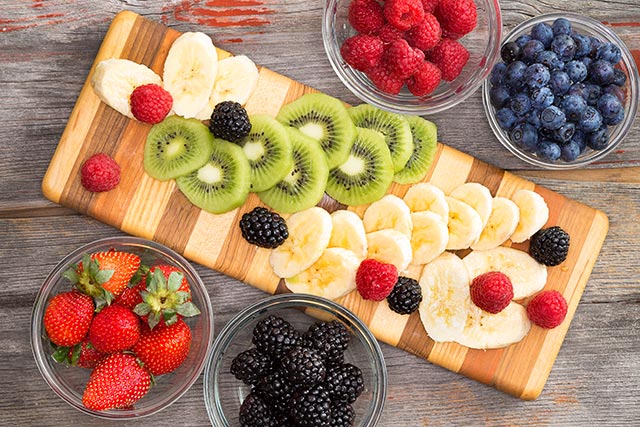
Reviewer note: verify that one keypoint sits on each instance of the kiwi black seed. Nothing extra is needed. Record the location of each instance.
(425, 141)
(222, 184)
(394, 128)
(367, 173)
(324, 119)
(176, 146)
(303, 186)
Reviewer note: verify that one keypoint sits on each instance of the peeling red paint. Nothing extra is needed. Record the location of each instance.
(238, 40)
(220, 13)
(37, 3)
(622, 24)
(636, 56)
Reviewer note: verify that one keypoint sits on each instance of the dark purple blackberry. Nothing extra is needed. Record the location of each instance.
(329, 339)
(276, 391)
(229, 121)
(549, 246)
(344, 383)
(406, 295)
(254, 412)
(342, 415)
(264, 228)
(311, 408)
(303, 366)
(251, 365)
(275, 336)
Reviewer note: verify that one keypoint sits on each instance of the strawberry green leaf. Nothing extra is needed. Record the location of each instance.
(188, 309)
(142, 271)
(142, 309)
(61, 353)
(94, 266)
(153, 319)
(103, 276)
(71, 275)
(75, 354)
(175, 280)
(170, 317)
(183, 296)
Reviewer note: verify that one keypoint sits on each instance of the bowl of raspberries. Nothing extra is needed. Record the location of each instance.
(412, 56)
(565, 92)
(121, 328)
(295, 360)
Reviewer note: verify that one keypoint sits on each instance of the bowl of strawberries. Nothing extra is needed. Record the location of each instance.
(121, 327)
(412, 56)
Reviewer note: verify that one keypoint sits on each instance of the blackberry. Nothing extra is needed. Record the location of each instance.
(303, 366)
(264, 228)
(275, 336)
(344, 383)
(329, 339)
(251, 365)
(254, 412)
(342, 415)
(229, 121)
(276, 391)
(549, 246)
(405, 296)
(311, 408)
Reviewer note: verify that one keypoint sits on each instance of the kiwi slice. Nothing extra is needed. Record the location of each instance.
(176, 146)
(269, 152)
(324, 119)
(394, 128)
(222, 184)
(303, 186)
(425, 140)
(366, 175)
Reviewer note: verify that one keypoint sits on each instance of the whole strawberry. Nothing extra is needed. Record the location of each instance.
(547, 309)
(67, 318)
(83, 355)
(164, 348)
(375, 279)
(115, 328)
(491, 291)
(130, 296)
(118, 381)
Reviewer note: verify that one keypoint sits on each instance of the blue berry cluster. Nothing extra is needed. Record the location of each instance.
(557, 91)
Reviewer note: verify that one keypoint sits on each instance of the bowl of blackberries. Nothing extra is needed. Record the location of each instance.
(295, 360)
(565, 93)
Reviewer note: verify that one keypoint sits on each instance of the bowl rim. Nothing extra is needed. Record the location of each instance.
(37, 313)
(289, 300)
(633, 80)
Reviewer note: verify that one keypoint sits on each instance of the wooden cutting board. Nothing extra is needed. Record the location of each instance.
(148, 208)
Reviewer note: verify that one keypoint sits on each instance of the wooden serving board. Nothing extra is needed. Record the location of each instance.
(148, 208)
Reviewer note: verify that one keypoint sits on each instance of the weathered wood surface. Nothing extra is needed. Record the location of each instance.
(46, 49)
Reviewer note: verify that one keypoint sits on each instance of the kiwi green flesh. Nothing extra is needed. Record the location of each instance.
(324, 119)
(176, 146)
(425, 141)
(221, 184)
(366, 175)
(268, 150)
(393, 127)
(304, 184)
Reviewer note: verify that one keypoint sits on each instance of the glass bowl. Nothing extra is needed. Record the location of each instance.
(224, 394)
(483, 44)
(587, 26)
(68, 382)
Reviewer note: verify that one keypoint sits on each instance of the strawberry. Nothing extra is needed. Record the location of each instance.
(83, 355)
(163, 348)
(117, 382)
(114, 329)
(67, 318)
(130, 296)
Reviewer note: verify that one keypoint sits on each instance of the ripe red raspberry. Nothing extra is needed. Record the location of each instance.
(401, 59)
(384, 80)
(150, 103)
(366, 16)
(425, 34)
(362, 52)
(457, 17)
(389, 33)
(375, 279)
(450, 56)
(100, 173)
(547, 309)
(491, 291)
(430, 5)
(403, 14)
(425, 80)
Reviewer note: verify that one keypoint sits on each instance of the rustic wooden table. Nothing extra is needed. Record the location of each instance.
(46, 50)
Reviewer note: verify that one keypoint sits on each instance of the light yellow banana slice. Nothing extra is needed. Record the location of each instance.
(333, 275)
(388, 212)
(501, 225)
(484, 330)
(348, 233)
(534, 214)
(429, 237)
(309, 235)
(390, 246)
(526, 274)
(464, 224)
(477, 196)
(427, 197)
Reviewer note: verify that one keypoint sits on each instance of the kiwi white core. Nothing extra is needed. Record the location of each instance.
(209, 174)
(174, 147)
(314, 130)
(253, 150)
(353, 166)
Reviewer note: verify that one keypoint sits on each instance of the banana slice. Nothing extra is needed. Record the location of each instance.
(501, 225)
(333, 275)
(309, 235)
(390, 212)
(464, 224)
(445, 288)
(534, 214)
(477, 196)
(484, 330)
(348, 233)
(429, 238)
(190, 72)
(390, 246)
(114, 79)
(526, 274)
(427, 197)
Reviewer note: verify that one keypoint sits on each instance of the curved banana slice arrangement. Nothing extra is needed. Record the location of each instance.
(500, 226)
(484, 330)
(390, 246)
(429, 238)
(427, 197)
(348, 233)
(477, 196)
(465, 225)
(390, 212)
(534, 214)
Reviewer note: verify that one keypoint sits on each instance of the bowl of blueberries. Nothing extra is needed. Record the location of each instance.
(565, 93)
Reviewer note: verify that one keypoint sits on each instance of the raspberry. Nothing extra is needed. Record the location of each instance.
(384, 80)
(429, 6)
(426, 34)
(491, 291)
(403, 14)
(375, 279)
(100, 173)
(457, 17)
(362, 52)
(366, 16)
(150, 103)
(401, 59)
(425, 80)
(547, 309)
(389, 33)
(450, 56)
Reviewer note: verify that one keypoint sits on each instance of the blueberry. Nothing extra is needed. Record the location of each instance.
(564, 46)
(586, 61)
(525, 136)
(542, 98)
(583, 45)
(549, 59)
(577, 89)
(595, 45)
(609, 105)
(522, 40)
(514, 75)
(580, 139)
(599, 139)
(506, 118)
(536, 76)
(510, 52)
(576, 70)
(614, 90)
(497, 74)
(561, 26)
(542, 32)
(601, 72)
(520, 104)
(614, 120)
(609, 52)
(530, 50)
(565, 133)
(619, 77)
(552, 118)
(592, 93)
(559, 83)
(548, 150)
(570, 151)
(591, 120)
(499, 95)
(573, 106)
(533, 118)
